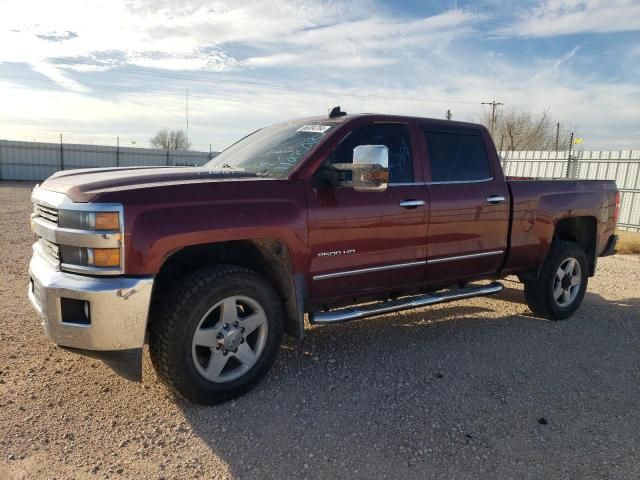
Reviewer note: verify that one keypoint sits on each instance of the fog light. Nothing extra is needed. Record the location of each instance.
(75, 311)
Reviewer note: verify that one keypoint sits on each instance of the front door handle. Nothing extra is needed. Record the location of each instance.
(411, 203)
(495, 199)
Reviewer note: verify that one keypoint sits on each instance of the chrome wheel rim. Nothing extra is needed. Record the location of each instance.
(229, 339)
(566, 284)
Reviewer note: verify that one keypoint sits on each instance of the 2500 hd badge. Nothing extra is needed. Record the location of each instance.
(337, 253)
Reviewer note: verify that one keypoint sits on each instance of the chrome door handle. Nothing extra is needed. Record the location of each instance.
(411, 203)
(495, 199)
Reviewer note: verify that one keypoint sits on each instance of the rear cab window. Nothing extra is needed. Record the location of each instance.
(457, 155)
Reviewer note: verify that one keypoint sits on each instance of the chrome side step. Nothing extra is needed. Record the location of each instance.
(355, 313)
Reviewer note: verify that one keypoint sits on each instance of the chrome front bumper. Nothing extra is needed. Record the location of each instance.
(118, 307)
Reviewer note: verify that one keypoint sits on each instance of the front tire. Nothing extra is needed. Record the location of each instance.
(217, 334)
(561, 286)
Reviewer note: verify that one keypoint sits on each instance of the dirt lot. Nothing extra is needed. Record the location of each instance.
(475, 389)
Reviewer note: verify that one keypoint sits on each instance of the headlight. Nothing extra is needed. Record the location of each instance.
(90, 257)
(81, 250)
(81, 220)
(84, 238)
(107, 221)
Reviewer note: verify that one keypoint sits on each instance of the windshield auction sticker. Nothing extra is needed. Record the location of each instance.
(314, 128)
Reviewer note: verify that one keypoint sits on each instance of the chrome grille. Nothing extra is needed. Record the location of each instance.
(49, 248)
(59, 238)
(37, 291)
(43, 211)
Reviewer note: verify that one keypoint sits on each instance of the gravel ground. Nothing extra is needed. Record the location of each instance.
(474, 389)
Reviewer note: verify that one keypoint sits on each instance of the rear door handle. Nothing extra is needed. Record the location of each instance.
(495, 199)
(411, 203)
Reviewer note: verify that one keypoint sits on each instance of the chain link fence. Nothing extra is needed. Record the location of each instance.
(37, 160)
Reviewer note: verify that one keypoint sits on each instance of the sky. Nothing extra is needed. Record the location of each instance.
(97, 70)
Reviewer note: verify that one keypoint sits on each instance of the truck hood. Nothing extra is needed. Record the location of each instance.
(83, 185)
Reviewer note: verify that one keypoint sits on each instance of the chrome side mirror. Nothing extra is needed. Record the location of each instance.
(370, 168)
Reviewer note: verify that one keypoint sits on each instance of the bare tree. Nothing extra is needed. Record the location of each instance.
(170, 140)
(518, 129)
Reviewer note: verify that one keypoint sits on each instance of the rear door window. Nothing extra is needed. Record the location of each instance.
(457, 157)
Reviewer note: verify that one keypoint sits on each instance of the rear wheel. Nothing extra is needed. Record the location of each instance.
(217, 334)
(560, 288)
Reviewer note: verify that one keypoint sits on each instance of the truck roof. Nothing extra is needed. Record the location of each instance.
(380, 116)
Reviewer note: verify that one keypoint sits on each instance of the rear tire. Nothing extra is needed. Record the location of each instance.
(217, 334)
(561, 286)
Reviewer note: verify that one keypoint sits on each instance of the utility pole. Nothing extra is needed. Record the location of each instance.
(557, 135)
(61, 154)
(494, 105)
(448, 116)
(187, 111)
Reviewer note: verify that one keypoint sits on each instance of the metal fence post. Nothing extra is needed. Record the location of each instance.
(575, 165)
(568, 171)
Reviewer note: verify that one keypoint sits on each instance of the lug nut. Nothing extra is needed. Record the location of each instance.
(218, 347)
(242, 329)
(225, 326)
(218, 335)
(235, 324)
(224, 352)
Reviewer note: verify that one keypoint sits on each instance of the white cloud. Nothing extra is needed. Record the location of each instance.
(250, 63)
(197, 60)
(554, 66)
(58, 76)
(172, 36)
(565, 17)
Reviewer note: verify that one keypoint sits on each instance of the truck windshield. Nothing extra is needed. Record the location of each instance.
(272, 151)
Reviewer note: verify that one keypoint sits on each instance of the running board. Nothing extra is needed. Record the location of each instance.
(355, 313)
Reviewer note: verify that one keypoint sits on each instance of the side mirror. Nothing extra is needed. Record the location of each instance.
(370, 168)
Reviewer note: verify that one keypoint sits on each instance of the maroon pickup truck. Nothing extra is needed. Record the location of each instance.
(337, 218)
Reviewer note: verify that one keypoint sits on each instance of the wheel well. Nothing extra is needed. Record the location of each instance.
(268, 257)
(580, 230)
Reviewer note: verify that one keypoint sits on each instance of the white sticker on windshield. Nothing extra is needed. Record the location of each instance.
(314, 128)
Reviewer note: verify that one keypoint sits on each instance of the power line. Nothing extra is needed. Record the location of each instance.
(175, 93)
(273, 86)
(286, 88)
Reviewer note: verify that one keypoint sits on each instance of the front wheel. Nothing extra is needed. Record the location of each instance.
(560, 288)
(217, 334)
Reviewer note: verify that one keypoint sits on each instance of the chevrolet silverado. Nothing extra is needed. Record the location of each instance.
(334, 218)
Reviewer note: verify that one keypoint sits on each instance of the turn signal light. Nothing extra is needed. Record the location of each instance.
(107, 221)
(106, 257)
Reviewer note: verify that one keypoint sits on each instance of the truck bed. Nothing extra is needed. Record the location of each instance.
(539, 204)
